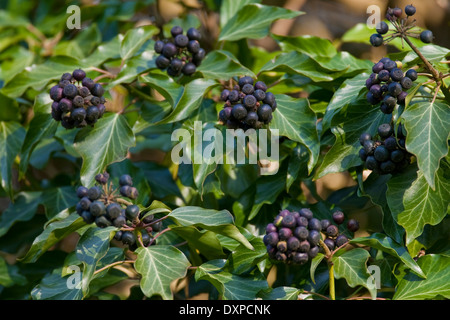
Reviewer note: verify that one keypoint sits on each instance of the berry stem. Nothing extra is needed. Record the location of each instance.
(154, 221)
(432, 70)
(328, 256)
(436, 75)
(157, 235)
(112, 265)
(331, 280)
(123, 201)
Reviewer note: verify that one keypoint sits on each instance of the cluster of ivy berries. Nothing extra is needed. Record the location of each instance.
(387, 84)
(77, 100)
(403, 27)
(101, 205)
(247, 105)
(294, 237)
(180, 54)
(385, 153)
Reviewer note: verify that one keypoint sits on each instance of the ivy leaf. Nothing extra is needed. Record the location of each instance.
(384, 243)
(428, 128)
(294, 119)
(52, 234)
(12, 135)
(302, 64)
(222, 65)
(41, 126)
(345, 95)
(414, 203)
(253, 22)
(217, 221)
(204, 241)
(228, 9)
(310, 45)
(37, 76)
(314, 263)
(23, 208)
(135, 39)
(267, 190)
(57, 199)
(280, 293)
(92, 246)
(184, 100)
(375, 187)
(159, 266)
(351, 265)
(54, 287)
(242, 258)
(229, 285)
(435, 267)
(102, 145)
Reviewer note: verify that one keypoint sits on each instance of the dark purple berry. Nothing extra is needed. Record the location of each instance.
(353, 225)
(79, 74)
(338, 217)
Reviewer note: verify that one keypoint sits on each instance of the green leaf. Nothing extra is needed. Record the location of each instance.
(204, 241)
(428, 128)
(295, 119)
(52, 234)
(347, 128)
(23, 208)
(91, 248)
(37, 76)
(384, 243)
(302, 64)
(102, 145)
(280, 293)
(184, 100)
(253, 22)
(348, 93)
(433, 53)
(375, 187)
(314, 264)
(54, 287)
(242, 259)
(229, 8)
(222, 65)
(267, 190)
(435, 267)
(57, 199)
(41, 126)
(217, 221)
(159, 266)
(351, 265)
(310, 45)
(192, 215)
(12, 135)
(230, 286)
(414, 203)
(135, 39)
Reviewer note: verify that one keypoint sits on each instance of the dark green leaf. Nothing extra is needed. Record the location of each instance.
(102, 145)
(159, 266)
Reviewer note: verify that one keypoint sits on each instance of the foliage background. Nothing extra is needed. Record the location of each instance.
(36, 47)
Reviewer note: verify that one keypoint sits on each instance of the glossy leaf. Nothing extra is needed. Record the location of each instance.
(102, 145)
(12, 135)
(230, 286)
(51, 235)
(437, 283)
(159, 266)
(428, 131)
(351, 266)
(253, 21)
(414, 203)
